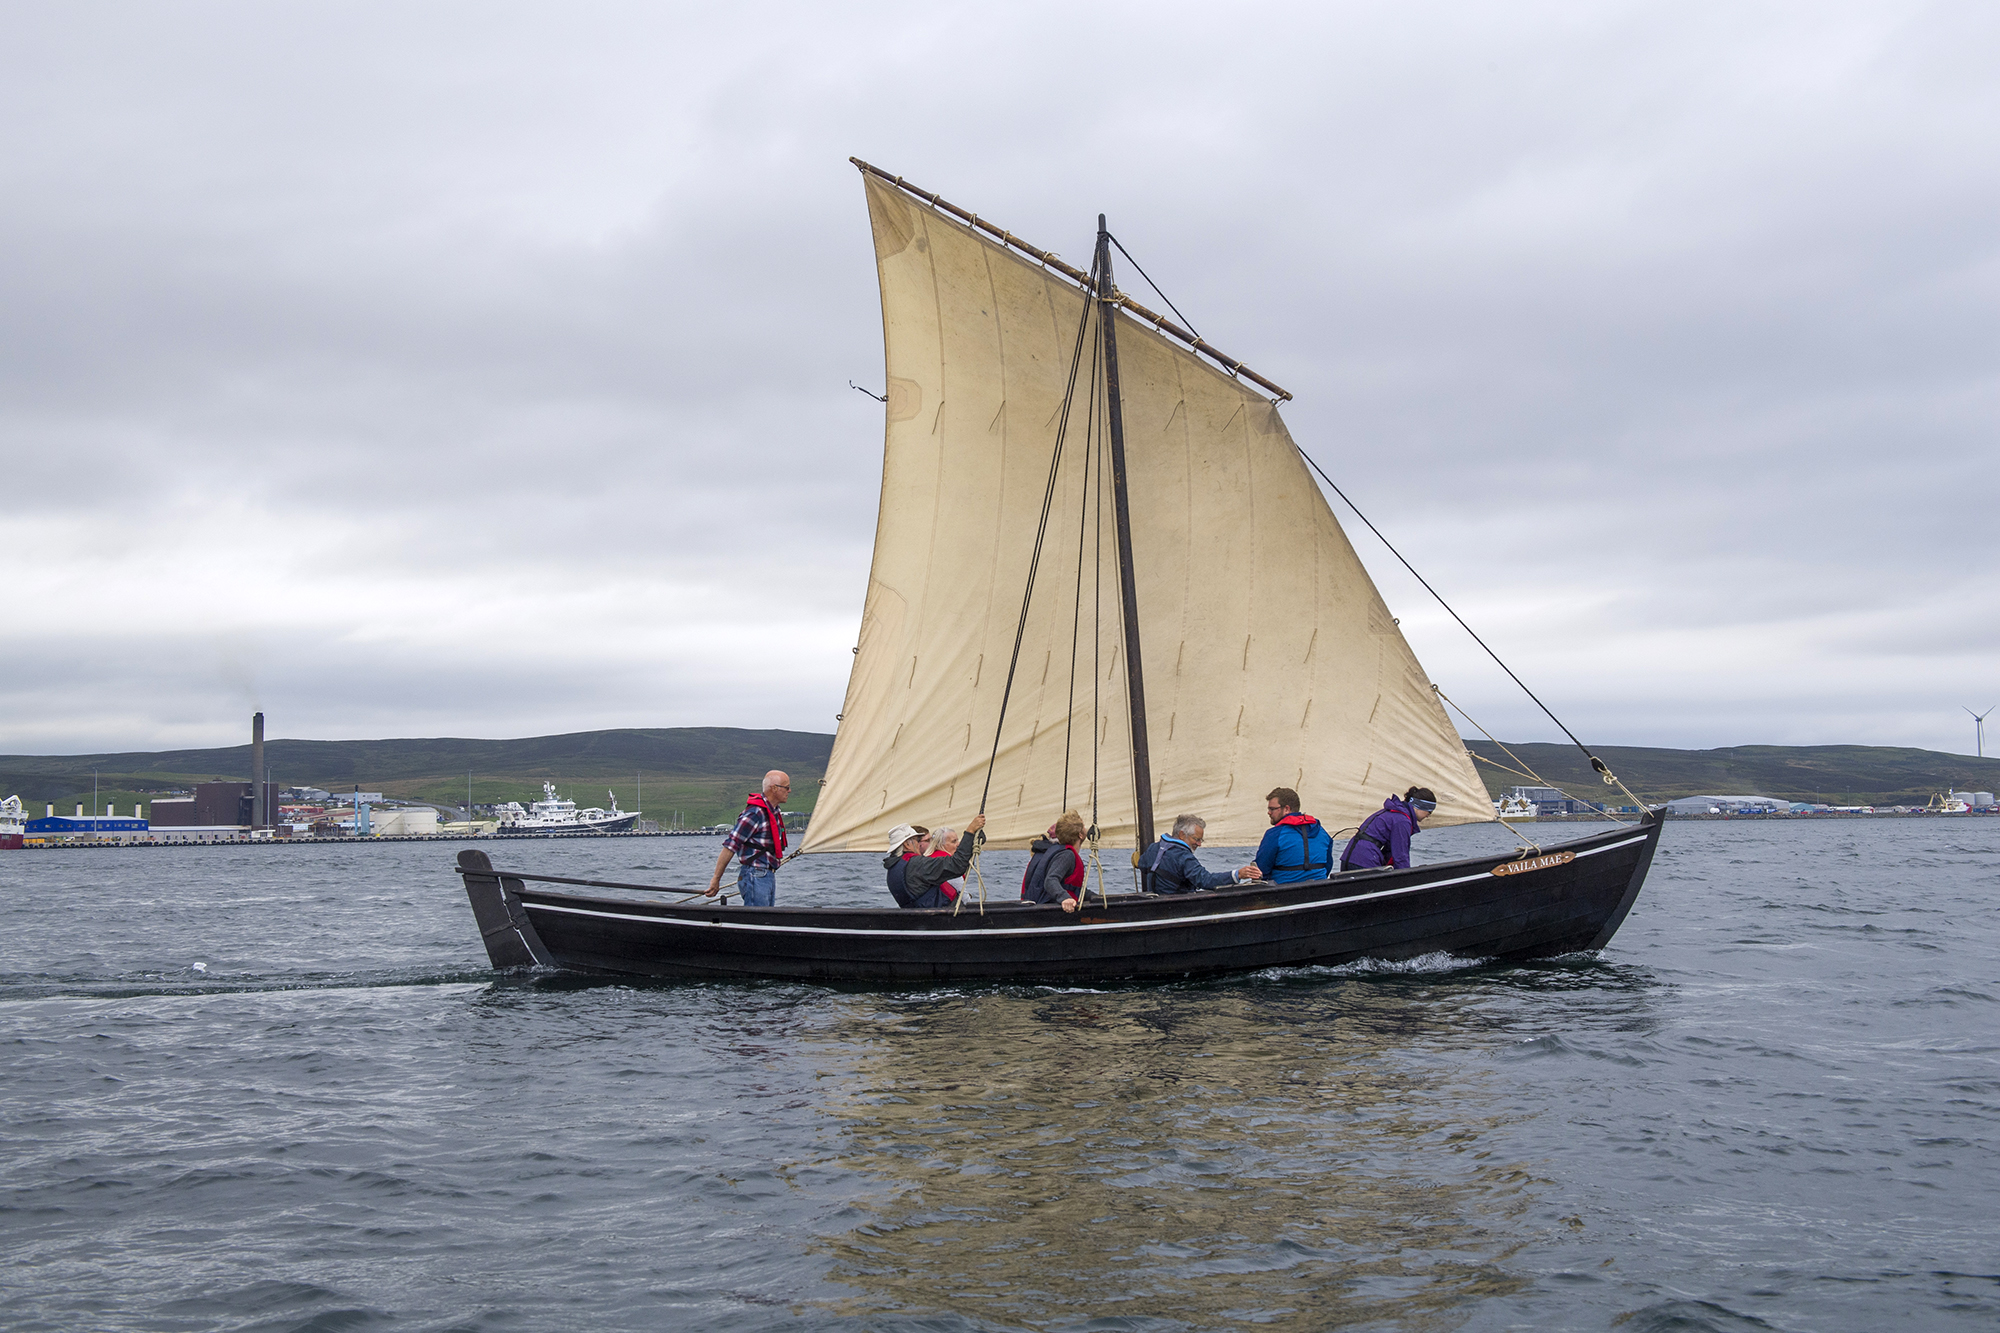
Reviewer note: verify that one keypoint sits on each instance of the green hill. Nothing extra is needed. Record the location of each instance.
(1834, 774)
(700, 771)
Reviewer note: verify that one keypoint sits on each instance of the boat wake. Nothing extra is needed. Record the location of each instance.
(1429, 964)
(201, 984)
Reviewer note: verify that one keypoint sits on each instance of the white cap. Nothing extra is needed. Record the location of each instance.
(899, 835)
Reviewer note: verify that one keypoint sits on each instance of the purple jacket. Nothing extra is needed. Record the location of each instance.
(1384, 838)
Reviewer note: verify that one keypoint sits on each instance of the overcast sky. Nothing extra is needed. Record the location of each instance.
(481, 370)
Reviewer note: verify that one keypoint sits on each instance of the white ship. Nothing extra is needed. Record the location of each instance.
(13, 823)
(1514, 807)
(553, 814)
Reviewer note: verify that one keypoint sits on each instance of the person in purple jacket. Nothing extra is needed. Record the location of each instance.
(1384, 837)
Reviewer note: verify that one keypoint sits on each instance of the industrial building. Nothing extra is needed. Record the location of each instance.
(1729, 805)
(80, 825)
(232, 812)
(214, 804)
(403, 822)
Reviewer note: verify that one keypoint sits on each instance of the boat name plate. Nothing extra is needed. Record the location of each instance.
(1534, 863)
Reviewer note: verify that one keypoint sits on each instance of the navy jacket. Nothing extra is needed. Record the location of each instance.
(1384, 839)
(1295, 848)
(1055, 872)
(1169, 866)
(897, 866)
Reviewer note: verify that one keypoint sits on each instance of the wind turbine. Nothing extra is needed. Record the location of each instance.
(1979, 728)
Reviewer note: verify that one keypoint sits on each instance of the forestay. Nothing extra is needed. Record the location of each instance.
(1270, 658)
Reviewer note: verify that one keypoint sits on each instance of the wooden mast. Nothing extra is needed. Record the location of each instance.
(1135, 676)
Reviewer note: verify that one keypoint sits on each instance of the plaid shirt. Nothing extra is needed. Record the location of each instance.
(751, 839)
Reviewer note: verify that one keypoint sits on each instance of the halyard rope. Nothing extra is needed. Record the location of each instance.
(1526, 769)
(1035, 560)
(1610, 778)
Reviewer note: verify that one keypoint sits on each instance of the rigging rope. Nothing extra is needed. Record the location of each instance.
(1028, 592)
(1526, 770)
(1186, 323)
(1035, 560)
(1082, 521)
(958, 904)
(1595, 762)
(1093, 471)
(1096, 630)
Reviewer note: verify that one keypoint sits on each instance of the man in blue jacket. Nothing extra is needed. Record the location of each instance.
(1384, 837)
(1296, 847)
(1169, 865)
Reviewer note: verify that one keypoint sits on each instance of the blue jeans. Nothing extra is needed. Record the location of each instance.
(758, 886)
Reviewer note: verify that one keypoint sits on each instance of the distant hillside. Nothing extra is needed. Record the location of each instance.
(700, 771)
(1836, 774)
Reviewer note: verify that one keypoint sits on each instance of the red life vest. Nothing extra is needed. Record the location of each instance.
(774, 819)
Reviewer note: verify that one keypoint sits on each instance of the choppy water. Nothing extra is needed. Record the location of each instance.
(276, 1088)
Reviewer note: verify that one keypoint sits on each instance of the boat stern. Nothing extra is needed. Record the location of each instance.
(510, 937)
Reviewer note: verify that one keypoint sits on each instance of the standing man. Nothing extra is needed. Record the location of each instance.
(759, 841)
(1295, 847)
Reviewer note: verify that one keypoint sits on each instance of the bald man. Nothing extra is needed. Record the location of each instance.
(758, 840)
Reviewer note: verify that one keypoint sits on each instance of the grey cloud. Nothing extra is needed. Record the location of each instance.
(1696, 304)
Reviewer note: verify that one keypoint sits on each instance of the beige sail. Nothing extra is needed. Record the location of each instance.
(1270, 659)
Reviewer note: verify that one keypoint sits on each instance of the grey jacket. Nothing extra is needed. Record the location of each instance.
(924, 874)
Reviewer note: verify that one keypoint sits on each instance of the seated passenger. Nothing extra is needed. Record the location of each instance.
(1295, 847)
(906, 843)
(1169, 865)
(924, 876)
(1055, 870)
(944, 842)
(1384, 837)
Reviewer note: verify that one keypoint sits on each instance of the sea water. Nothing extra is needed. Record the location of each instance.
(278, 1088)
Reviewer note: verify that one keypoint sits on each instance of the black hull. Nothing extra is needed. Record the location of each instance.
(1468, 908)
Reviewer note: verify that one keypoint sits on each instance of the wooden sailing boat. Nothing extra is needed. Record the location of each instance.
(1103, 578)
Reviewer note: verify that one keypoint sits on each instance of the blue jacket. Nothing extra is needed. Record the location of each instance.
(1384, 838)
(1295, 848)
(1169, 866)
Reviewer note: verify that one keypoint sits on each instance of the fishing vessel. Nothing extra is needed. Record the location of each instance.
(13, 824)
(553, 814)
(1103, 579)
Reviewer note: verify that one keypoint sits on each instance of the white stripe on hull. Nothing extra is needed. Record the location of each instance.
(988, 933)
